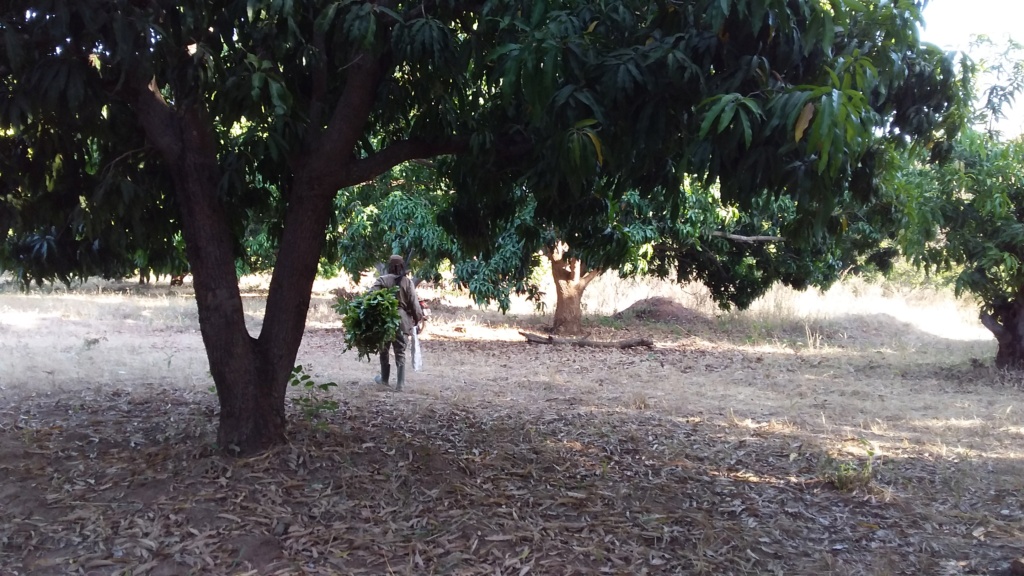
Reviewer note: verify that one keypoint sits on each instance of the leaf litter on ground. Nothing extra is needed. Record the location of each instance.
(507, 458)
(111, 483)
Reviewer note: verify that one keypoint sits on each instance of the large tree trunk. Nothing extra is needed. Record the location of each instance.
(251, 375)
(249, 380)
(1007, 325)
(571, 279)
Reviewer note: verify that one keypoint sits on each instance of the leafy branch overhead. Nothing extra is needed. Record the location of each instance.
(579, 101)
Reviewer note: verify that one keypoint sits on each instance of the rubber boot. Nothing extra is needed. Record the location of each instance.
(385, 371)
(401, 374)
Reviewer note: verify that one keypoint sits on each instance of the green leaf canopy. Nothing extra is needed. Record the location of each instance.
(576, 101)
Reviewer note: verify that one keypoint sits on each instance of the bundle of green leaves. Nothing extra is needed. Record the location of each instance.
(370, 320)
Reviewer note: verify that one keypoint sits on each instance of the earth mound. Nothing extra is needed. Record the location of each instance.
(663, 310)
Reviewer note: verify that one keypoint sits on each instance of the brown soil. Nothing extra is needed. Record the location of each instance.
(663, 310)
(717, 452)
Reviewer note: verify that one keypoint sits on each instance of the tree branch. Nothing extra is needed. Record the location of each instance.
(587, 342)
(987, 320)
(157, 119)
(364, 169)
(319, 90)
(590, 276)
(332, 154)
(748, 239)
(332, 166)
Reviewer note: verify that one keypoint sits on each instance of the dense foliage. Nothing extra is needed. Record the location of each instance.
(964, 217)
(735, 94)
(581, 101)
(737, 254)
(371, 320)
(967, 215)
(398, 213)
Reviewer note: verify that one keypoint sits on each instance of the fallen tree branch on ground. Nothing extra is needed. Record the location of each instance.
(586, 342)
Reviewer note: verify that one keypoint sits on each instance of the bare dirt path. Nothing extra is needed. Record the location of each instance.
(718, 451)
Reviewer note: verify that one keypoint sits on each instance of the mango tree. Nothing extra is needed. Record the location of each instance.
(968, 215)
(212, 108)
(965, 215)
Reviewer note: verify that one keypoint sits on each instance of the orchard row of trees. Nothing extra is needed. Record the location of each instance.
(734, 142)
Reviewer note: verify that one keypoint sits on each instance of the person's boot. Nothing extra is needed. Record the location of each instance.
(385, 372)
(401, 375)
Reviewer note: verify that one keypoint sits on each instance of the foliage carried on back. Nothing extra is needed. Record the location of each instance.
(371, 320)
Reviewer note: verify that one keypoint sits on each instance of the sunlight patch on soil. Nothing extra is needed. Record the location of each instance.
(931, 312)
(23, 320)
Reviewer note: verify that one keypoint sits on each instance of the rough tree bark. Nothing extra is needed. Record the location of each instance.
(571, 278)
(252, 403)
(1007, 325)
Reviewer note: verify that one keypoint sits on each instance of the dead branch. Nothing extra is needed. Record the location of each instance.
(586, 342)
(749, 239)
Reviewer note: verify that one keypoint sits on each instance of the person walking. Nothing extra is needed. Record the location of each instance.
(411, 313)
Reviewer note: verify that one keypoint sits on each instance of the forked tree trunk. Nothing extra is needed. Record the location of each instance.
(251, 396)
(571, 279)
(1007, 325)
(251, 375)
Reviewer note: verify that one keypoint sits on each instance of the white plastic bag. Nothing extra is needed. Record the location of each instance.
(417, 355)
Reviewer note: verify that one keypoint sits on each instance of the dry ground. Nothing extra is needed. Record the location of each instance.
(855, 432)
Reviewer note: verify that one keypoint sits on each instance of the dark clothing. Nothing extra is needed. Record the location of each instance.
(408, 303)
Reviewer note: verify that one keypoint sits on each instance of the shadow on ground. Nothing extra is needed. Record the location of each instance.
(119, 483)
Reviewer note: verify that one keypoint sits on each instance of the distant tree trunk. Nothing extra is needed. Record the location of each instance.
(1007, 325)
(571, 278)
